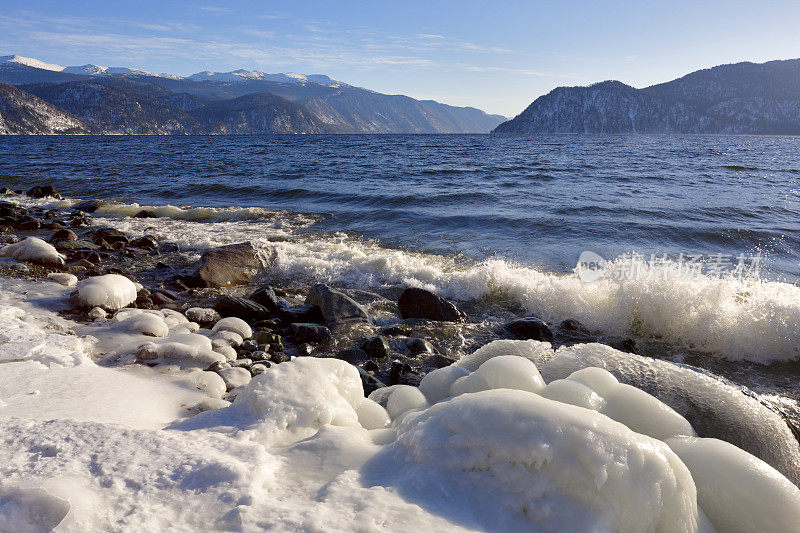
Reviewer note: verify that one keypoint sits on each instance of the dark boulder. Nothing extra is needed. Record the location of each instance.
(234, 264)
(109, 235)
(89, 206)
(63, 235)
(240, 307)
(419, 346)
(353, 356)
(146, 242)
(376, 347)
(312, 333)
(337, 308)
(419, 303)
(530, 328)
(43, 191)
(266, 297)
(145, 213)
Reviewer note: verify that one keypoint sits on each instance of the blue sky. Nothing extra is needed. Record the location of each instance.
(498, 56)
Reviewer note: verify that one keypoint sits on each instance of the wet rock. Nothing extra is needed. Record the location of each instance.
(234, 264)
(628, 345)
(370, 382)
(242, 363)
(420, 303)
(145, 213)
(419, 346)
(79, 221)
(6, 190)
(169, 247)
(11, 210)
(50, 214)
(574, 326)
(160, 299)
(249, 346)
(353, 356)
(109, 235)
(376, 347)
(266, 297)
(280, 357)
(302, 313)
(530, 328)
(439, 361)
(243, 308)
(43, 191)
(89, 206)
(312, 333)
(337, 308)
(146, 242)
(397, 330)
(27, 224)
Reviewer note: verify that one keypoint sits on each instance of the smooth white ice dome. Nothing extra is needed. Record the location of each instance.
(34, 250)
(234, 325)
(110, 292)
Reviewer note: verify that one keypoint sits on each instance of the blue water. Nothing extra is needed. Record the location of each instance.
(539, 199)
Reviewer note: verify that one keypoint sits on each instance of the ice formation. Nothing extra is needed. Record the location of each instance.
(64, 278)
(715, 408)
(34, 250)
(110, 292)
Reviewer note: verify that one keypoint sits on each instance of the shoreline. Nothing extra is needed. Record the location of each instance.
(125, 341)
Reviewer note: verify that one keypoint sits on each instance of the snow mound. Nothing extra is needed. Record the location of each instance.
(185, 349)
(25, 337)
(33, 250)
(291, 401)
(109, 292)
(513, 460)
(502, 372)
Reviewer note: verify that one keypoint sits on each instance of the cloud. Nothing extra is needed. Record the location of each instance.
(215, 9)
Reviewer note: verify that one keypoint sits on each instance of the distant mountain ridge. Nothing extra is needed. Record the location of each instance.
(121, 100)
(741, 98)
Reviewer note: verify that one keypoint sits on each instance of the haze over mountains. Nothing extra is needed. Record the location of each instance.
(119, 100)
(743, 98)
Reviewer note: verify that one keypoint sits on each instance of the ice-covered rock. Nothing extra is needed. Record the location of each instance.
(202, 315)
(738, 492)
(109, 292)
(235, 325)
(512, 460)
(211, 382)
(715, 408)
(187, 349)
(33, 250)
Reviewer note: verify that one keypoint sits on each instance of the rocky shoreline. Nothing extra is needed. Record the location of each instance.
(409, 338)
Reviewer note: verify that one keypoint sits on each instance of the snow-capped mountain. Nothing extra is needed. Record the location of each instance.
(283, 77)
(131, 101)
(90, 69)
(85, 70)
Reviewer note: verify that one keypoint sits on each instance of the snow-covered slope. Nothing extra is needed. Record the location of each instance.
(22, 113)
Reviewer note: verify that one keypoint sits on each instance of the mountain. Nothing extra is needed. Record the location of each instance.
(119, 105)
(743, 98)
(24, 114)
(259, 113)
(99, 95)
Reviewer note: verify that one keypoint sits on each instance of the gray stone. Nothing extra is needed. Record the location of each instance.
(337, 308)
(234, 264)
(419, 346)
(89, 206)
